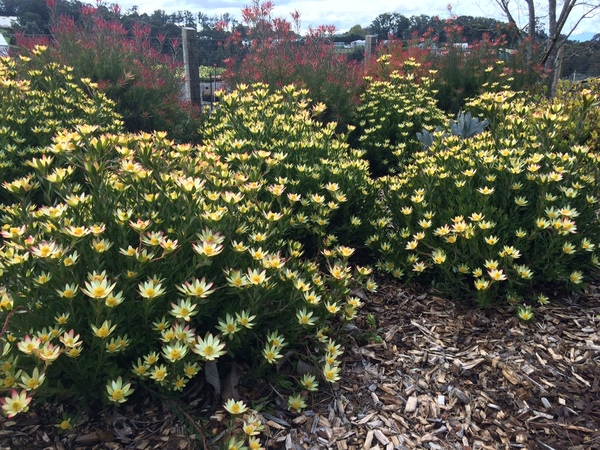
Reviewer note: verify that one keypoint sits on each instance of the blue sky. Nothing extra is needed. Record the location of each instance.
(346, 13)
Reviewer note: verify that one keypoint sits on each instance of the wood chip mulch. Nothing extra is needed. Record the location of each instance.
(433, 374)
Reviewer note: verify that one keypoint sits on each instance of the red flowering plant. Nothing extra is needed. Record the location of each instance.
(467, 69)
(276, 54)
(142, 78)
(461, 69)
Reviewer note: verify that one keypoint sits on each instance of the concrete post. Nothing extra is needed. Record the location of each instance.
(190, 61)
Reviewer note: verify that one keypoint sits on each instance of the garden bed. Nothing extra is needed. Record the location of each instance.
(442, 377)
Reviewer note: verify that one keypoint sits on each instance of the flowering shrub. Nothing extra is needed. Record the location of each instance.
(278, 56)
(279, 133)
(498, 215)
(487, 65)
(570, 94)
(39, 99)
(391, 113)
(150, 261)
(143, 80)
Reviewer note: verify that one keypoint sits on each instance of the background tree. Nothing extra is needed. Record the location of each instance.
(562, 19)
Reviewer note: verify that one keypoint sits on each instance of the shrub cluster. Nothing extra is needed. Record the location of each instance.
(299, 152)
(39, 99)
(278, 56)
(498, 215)
(144, 80)
(462, 70)
(149, 260)
(391, 113)
(135, 259)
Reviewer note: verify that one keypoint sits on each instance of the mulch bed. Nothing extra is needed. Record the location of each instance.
(433, 375)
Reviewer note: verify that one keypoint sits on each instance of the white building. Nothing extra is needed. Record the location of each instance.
(7, 21)
(3, 46)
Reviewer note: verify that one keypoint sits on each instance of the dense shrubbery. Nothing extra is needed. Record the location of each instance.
(151, 260)
(144, 82)
(278, 56)
(38, 100)
(391, 114)
(278, 137)
(501, 214)
(461, 72)
(132, 259)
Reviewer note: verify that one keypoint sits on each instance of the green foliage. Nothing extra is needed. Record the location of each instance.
(499, 215)
(39, 99)
(576, 95)
(391, 113)
(280, 136)
(209, 73)
(277, 56)
(144, 81)
(150, 262)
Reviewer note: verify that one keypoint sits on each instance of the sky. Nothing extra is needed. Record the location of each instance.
(346, 13)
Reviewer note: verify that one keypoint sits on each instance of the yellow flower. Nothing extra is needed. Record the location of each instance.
(412, 245)
(183, 310)
(244, 319)
(309, 383)
(331, 373)
(257, 278)
(30, 345)
(305, 318)
(521, 201)
(98, 288)
(229, 326)
(159, 373)
(175, 352)
(151, 289)
(481, 284)
(140, 369)
(32, 382)
(76, 232)
(296, 402)
(525, 313)
(105, 329)
(419, 266)
(524, 272)
(254, 444)
(16, 403)
(438, 256)
(117, 391)
(497, 275)
(69, 291)
(64, 424)
(209, 348)
(576, 277)
(49, 352)
(486, 190)
(271, 353)
(233, 407)
(491, 240)
(542, 300)
(542, 223)
(197, 288)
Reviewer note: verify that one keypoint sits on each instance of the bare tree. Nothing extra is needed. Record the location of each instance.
(560, 25)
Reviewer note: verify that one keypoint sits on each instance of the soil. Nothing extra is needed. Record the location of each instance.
(419, 372)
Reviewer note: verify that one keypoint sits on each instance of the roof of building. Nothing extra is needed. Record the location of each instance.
(6, 21)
